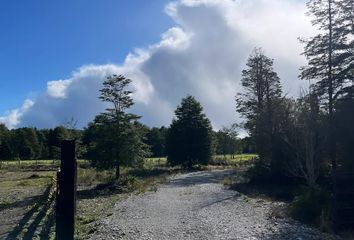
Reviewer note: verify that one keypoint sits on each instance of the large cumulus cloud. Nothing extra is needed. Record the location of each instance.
(202, 55)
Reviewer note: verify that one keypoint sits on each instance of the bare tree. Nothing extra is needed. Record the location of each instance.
(304, 143)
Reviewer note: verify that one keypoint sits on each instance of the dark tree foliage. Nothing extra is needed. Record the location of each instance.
(303, 142)
(5, 152)
(31, 143)
(227, 141)
(54, 138)
(115, 137)
(156, 139)
(27, 143)
(189, 139)
(222, 140)
(247, 145)
(330, 58)
(260, 105)
(21, 143)
(344, 119)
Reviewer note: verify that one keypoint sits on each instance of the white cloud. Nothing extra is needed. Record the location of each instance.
(57, 89)
(80, 98)
(12, 119)
(174, 38)
(202, 55)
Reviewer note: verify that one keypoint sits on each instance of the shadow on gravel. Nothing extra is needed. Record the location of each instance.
(196, 178)
(105, 189)
(144, 173)
(216, 200)
(120, 186)
(295, 232)
(21, 203)
(276, 191)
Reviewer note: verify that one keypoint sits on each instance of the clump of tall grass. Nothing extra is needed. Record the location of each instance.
(311, 205)
(90, 176)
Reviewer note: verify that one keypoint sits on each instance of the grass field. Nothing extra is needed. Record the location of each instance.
(149, 162)
(13, 165)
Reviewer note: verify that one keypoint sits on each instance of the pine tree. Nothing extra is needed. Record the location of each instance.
(346, 53)
(115, 136)
(262, 92)
(189, 139)
(330, 59)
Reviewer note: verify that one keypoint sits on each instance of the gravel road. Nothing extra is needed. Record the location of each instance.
(197, 206)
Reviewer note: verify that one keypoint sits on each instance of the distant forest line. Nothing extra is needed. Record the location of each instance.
(42, 144)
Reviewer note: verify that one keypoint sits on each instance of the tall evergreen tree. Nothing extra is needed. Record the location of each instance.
(116, 136)
(346, 54)
(257, 103)
(330, 58)
(189, 139)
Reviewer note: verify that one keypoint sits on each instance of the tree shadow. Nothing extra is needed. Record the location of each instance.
(47, 227)
(204, 177)
(216, 200)
(106, 189)
(284, 192)
(33, 218)
(21, 203)
(294, 231)
(155, 172)
(120, 186)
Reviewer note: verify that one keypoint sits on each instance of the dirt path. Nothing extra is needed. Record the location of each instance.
(198, 206)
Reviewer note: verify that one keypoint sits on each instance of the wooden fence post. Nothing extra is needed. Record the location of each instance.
(66, 192)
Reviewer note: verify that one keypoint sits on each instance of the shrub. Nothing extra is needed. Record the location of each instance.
(311, 205)
(259, 172)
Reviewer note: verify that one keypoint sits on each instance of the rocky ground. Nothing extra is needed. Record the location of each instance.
(198, 206)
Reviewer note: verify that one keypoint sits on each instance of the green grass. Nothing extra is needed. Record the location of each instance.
(33, 163)
(229, 160)
(38, 180)
(148, 164)
(237, 157)
(5, 203)
(155, 162)
(90, 176)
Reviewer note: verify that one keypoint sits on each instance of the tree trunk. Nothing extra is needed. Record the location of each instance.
(189, 163)
(117, 171)
(332, 140)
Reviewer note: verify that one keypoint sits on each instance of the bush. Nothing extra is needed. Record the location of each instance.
(311, 206)
(259, 172)
(91, 176)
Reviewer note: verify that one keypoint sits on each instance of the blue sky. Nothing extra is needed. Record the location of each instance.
(46, 40)
(54, 55)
